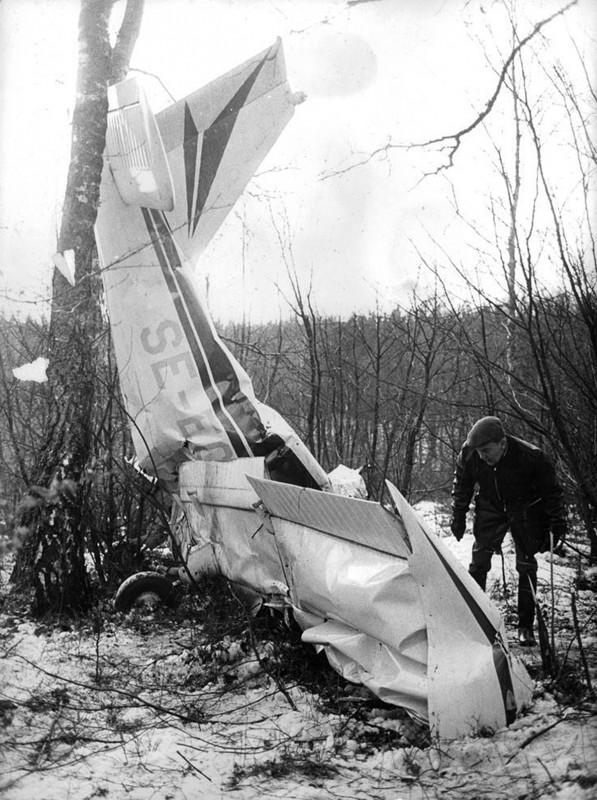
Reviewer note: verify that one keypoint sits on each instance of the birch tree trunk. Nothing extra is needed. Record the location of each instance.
(51, 560)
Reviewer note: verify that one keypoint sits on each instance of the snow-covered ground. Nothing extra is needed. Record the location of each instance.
(134, 708)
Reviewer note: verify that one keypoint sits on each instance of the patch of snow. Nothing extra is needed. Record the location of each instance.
(34, 371)
(129, 714)
(65, 262)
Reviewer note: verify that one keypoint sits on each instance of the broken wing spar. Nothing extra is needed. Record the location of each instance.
(169, 181)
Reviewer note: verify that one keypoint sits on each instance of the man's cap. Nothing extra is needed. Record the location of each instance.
(485, 430)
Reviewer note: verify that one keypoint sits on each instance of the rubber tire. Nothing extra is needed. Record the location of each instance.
(141, 583)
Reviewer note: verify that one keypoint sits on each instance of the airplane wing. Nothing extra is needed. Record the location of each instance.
(374, 589)
(389, 604)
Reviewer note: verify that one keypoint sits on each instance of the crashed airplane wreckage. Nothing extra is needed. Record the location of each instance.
(374, 588)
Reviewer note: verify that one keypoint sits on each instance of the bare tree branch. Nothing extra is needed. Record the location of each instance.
(126, 40)
(457, 137)
(452, 141)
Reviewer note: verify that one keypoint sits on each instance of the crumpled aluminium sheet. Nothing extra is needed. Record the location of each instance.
(367, 587)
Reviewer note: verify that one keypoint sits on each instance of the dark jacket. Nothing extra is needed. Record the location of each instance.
(523, 477)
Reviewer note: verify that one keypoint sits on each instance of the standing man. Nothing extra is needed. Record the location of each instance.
(517, 490)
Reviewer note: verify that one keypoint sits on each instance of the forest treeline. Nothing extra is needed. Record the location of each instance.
(399, 391)
(391, 393)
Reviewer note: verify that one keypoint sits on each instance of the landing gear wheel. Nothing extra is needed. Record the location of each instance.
(147, 589)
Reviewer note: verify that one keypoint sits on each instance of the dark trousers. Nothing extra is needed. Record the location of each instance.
(529, 529)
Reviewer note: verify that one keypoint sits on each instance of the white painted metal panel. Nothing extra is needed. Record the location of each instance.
(222, 483)
(358, 521)
(474, 683)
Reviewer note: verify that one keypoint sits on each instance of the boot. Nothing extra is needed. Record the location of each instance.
(527, 585)
(526, 637)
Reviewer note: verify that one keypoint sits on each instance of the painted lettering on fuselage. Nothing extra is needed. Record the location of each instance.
(172, 369)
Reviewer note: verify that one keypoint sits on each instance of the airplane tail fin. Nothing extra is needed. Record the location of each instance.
(215, 140)
(169, 181)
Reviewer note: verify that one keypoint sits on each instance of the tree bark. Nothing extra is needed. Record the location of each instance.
(57, 509)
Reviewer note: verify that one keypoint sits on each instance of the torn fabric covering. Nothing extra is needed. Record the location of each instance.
(168, 184)
(385, 600)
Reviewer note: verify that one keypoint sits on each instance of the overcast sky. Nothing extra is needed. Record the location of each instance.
(377, 72)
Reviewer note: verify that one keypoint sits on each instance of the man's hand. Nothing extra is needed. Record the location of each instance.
(458, 526)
